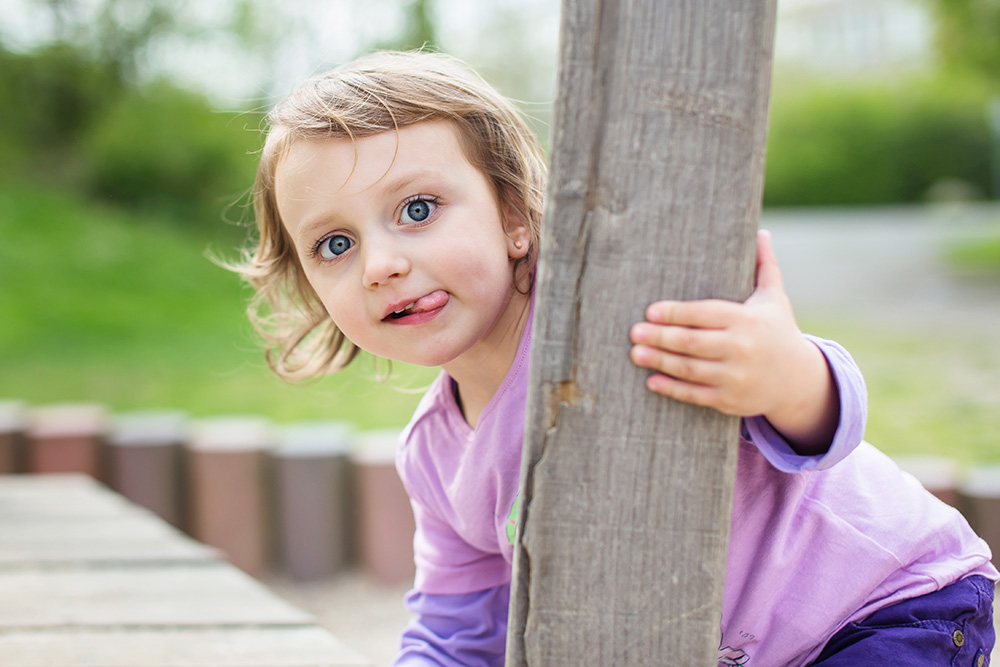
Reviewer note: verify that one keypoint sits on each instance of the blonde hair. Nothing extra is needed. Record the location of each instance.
(376, 93)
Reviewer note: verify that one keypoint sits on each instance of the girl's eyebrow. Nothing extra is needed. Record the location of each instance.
(407, 179)
(305, 234)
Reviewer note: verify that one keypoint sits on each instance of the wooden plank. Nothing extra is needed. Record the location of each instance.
(657, 166)
(63, 496)
(147, 596)
(72, 519)
(127, 538)
(34, 483)
(215, 647)
(89, 579)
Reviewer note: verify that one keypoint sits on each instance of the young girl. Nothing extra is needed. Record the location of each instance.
(398, 202)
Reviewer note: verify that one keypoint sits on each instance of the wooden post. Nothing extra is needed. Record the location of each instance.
(383, 519)
(312, 494)
(68, 437)
(229, 486)
(145, 460)
(657, 169)
(13, 441)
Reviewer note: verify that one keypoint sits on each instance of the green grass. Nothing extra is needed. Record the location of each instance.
(96, 305)
(977, 257)
(929, 392)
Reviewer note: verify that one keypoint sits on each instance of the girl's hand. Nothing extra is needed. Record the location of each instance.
(743, 359)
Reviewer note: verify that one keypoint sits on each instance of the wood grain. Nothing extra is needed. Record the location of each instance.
(657, 170)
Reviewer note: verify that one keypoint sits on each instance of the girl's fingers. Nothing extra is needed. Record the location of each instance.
(768, 273)
(704, 314)
(694, 394)
(702, 343)
(681, 367)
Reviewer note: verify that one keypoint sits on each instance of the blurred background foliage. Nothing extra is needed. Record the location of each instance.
(127, 157)
(968, 36)
(921, 139)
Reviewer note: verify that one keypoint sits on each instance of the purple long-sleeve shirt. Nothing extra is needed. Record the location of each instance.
(813, 545)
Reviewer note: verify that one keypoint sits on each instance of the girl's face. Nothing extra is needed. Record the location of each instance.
(403, 241)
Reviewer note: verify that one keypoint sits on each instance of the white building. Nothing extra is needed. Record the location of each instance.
(854, 36)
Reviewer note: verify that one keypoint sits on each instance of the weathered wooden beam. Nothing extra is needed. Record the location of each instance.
(657, 170)
(91, 579)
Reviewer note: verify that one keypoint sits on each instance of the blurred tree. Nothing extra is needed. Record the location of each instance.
(969, 35)
(56, 94)
(260, 31)
(418, 29)
(164, 149)
(125, 28)
(142, 40)
(114, 32)
(257, 25)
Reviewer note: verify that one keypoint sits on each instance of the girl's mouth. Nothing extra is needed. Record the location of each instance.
(402, 312)
(425, 304)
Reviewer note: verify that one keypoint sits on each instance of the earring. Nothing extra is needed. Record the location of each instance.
(517, 244)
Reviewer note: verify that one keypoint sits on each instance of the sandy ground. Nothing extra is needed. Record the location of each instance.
(366, 615)
(885, 265)
(880, 264)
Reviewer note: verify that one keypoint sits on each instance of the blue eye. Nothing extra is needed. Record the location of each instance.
(334, 246)
(418, 210)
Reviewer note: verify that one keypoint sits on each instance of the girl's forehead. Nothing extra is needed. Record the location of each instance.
(360, 163)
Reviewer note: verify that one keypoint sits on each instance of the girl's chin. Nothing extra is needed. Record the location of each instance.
(424, 360)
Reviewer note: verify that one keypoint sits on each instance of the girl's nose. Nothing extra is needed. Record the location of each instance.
(383, 263)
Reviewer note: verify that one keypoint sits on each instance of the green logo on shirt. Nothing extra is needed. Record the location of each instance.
(512, 520)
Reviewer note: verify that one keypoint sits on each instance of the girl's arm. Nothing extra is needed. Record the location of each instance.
(745, 359)
(452, 626)
(456, 630)
(853, 409)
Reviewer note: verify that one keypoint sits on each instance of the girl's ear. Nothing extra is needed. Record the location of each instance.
(518, 235)
(518, 244)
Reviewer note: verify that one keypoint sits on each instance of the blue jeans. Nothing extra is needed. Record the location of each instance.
(951, 627)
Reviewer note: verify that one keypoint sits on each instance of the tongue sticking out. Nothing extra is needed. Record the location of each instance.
(432, 301)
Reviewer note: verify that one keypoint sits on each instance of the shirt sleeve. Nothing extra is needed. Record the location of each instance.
(850, 427)
(462, 630)
(446, 563)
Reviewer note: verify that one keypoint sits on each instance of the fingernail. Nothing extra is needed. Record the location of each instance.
(657, 311)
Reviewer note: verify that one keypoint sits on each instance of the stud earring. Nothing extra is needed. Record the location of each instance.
(517, 244)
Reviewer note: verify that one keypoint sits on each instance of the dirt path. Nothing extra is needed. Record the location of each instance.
(885, 264)
(365, 615)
